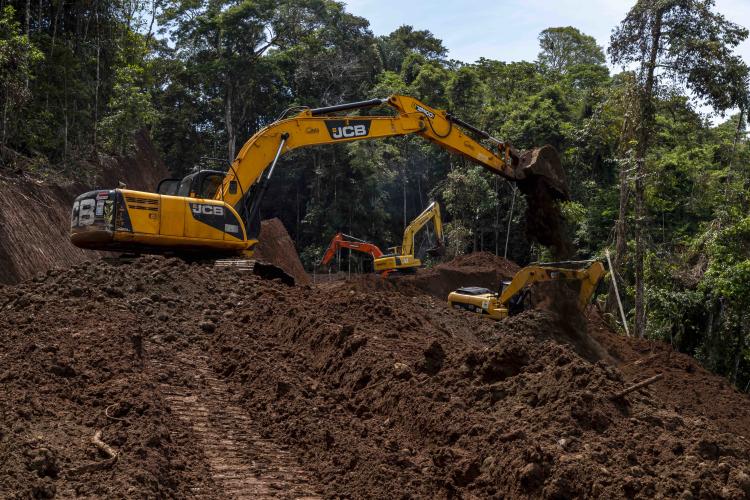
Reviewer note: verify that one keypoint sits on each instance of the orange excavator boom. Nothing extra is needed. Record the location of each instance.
(341, 240)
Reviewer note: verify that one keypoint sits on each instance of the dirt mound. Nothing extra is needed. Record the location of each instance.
(475, 269)
(686, 386)
(383, 393)
(368, 391)
(276, 246)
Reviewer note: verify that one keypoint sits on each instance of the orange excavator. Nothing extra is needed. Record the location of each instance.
(341, 240)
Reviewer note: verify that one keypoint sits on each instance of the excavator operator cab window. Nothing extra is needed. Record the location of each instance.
(503, 286)
(203, 184)
(187, 182)
(168, 186)
(209, 184)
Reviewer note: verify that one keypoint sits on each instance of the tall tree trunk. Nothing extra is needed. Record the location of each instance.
(646, 127)
(403, 186)
(5, 118)
(620, 224)
(231, 134)
(28, 23)
(98, 77)
(737, 133)
(497, 217)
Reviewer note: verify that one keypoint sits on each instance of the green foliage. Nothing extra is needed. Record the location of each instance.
(130, 109)
(563, 49)
(18, 55)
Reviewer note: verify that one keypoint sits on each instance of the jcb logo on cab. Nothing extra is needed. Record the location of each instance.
(200, 209)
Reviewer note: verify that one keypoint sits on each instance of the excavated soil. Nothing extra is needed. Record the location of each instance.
(686, 386)
(213, 383)
(276, 247)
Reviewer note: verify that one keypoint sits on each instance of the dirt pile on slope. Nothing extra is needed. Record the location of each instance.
(686, 386)
(276, 247)
(382, 393)
(35, 213)
(371, 391)
(475, 269)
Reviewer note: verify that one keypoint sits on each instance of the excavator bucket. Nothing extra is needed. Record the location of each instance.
(540, 177)
(437, 251)
(542, 164)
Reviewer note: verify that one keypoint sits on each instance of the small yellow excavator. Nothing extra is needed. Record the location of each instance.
(513, 297)
(402, 258)
(216, 213)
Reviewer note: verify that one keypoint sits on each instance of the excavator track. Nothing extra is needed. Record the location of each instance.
(243, 464)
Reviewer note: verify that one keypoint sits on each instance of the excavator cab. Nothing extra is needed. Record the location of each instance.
(201, 184)
(519, 302)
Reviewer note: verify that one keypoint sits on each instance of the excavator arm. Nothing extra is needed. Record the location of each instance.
(194, 216)
(315, 127)
(588, 277)
(341, 240)
(431, 213)
(510, 300)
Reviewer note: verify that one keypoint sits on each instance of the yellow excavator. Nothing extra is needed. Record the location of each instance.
(402, 258)
(513, 296)
(216, 213)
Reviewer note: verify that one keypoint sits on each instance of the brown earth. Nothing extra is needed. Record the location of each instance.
(276, 247)
(35, 213)
(209, 381)
(686, 386)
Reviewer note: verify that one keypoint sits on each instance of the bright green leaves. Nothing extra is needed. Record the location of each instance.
(130, 109)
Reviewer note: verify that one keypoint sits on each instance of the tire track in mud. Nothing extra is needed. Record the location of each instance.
(243, 464)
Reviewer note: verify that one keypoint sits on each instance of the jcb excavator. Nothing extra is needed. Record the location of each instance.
(215, 213)
(513, 296)
(402, 258)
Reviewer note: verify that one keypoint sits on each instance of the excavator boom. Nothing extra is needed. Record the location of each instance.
(201, 215)
(341, 240)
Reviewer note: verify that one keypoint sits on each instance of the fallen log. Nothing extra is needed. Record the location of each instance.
(637, 386)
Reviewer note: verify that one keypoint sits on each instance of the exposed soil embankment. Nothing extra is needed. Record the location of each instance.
(35, 215)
